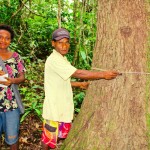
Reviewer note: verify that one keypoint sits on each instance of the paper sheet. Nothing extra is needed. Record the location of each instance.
(2, 78)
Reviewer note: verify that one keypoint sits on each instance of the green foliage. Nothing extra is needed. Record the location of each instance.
(32, 90)
(33, 22)
(35, 108)
(78, 98)
(7, 10)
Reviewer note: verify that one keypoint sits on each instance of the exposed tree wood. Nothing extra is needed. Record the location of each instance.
(113, 115)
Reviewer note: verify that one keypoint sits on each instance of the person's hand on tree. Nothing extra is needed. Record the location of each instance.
(108, 75)
(84, 85)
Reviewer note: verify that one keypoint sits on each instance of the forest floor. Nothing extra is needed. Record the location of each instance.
(30, 134)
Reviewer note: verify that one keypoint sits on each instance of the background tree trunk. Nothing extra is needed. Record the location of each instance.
(113, 115)
(59, 14)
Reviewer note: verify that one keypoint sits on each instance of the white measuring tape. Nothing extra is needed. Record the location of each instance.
(142, 73)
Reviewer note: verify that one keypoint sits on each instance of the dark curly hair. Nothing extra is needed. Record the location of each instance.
(7, 28)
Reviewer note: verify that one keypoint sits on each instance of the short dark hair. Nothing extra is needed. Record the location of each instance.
(7, 28)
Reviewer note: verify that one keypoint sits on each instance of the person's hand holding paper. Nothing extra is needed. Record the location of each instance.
(3, 79)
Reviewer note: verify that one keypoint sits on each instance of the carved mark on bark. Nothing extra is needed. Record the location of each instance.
(126, 31)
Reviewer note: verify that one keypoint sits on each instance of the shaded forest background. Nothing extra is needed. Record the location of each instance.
(33, 22)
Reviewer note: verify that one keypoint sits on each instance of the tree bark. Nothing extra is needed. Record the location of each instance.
(113, 114)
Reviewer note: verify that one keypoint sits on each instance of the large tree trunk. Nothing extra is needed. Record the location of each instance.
(113, 115)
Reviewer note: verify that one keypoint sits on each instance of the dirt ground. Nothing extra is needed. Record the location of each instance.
(30, 135)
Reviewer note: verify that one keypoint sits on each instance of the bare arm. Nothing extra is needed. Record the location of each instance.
(19, 79)
(82, 85)
(91, 75)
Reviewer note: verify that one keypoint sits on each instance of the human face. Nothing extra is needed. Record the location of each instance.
(62, 46)
(5, 39)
